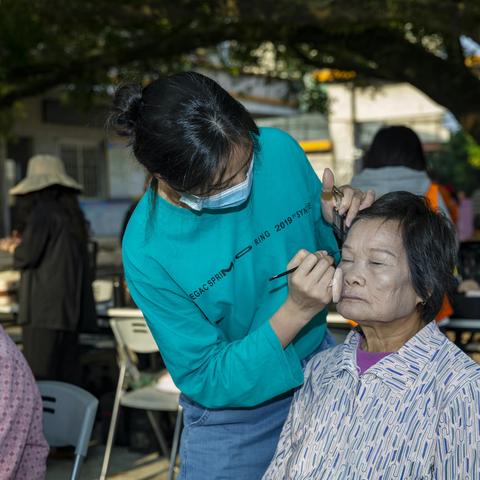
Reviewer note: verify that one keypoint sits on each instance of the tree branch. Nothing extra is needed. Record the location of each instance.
(164, 48)
(341, 64)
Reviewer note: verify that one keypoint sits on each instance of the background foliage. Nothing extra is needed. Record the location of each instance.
(86, 45)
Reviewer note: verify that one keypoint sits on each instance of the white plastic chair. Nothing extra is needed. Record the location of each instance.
(68, 418)
(133, 335)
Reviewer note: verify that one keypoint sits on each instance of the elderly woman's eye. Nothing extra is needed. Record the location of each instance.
(346, 260)
(373, 262)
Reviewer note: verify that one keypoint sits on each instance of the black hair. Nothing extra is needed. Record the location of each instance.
(183, 128)
(66, 201)
(429, 241)
(395, 146)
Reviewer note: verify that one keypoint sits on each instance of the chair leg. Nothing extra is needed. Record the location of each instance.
(175, 443)
(76, 467)
(113, 421)
(158, 433)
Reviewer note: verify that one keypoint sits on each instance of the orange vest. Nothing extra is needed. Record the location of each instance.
(432, 196)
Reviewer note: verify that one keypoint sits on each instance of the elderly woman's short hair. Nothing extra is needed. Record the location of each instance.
(430, 244)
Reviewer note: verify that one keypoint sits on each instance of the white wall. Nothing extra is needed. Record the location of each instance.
(48, 137)
(126, 176)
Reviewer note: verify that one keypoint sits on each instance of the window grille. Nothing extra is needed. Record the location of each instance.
(86, 164)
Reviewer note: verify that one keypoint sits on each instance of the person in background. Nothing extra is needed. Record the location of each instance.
(396, 161)
(465, 224)
(228, 207)
(23, 448)
(55, 292)
(397, 399)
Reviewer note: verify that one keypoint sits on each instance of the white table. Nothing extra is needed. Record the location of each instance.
(464, 324)
(9, 309)
(464, 330)
(124, 312)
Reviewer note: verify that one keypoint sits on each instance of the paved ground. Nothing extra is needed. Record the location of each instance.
(124, 465)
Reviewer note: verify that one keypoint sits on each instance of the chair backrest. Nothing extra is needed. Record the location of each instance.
(68, 415)
(134, 334)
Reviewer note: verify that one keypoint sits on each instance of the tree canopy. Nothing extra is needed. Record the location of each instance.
(88, 45)
(457, 163)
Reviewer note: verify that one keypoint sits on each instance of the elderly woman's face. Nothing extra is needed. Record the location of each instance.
(376, 278)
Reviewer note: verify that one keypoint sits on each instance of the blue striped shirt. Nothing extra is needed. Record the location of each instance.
(413, 415)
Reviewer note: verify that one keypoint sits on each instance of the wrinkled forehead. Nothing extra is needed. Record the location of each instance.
(368, 233)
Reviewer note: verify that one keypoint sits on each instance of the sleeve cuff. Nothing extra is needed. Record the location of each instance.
(287, 357)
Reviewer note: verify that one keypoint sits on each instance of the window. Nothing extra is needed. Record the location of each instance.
(86, 164)
(56, 112)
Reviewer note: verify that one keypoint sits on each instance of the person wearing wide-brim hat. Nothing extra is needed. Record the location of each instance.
(55, 293)
(44, 171)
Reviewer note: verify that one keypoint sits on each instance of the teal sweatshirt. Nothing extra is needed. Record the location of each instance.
(201, 280)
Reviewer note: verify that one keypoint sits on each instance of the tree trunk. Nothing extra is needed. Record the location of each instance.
(471, 123)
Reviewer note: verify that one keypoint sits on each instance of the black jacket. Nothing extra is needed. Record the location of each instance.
(55, 285)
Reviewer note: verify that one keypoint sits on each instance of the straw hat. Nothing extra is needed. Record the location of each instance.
(44, 171)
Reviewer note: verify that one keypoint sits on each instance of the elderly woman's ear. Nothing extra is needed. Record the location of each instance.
(422, 301)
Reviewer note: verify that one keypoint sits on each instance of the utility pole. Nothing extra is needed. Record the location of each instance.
(355, 128)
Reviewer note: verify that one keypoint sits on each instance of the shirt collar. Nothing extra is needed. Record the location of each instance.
(399, 369)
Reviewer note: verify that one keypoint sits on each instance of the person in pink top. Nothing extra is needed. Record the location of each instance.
(23, 448)
(465, 224)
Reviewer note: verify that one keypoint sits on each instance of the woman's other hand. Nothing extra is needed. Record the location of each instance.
(9, 244)
(352, 201)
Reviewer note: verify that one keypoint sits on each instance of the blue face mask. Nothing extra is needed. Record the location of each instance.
(231, 197)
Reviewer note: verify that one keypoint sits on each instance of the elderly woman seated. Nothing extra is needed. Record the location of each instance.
(397, 399)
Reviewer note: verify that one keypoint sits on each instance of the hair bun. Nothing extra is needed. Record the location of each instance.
(126, 106)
